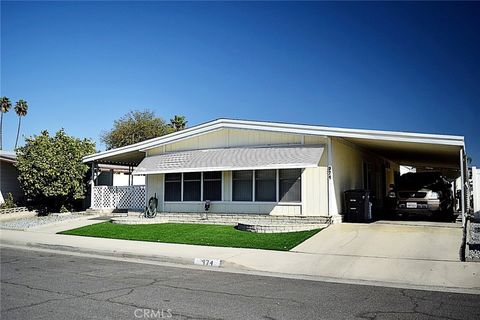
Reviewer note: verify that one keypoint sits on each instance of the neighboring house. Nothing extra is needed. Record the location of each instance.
(273, 168)
(9, 177)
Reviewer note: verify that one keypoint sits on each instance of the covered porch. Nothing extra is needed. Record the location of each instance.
(112, 183)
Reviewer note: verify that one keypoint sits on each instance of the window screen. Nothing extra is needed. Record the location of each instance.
(265, 185)
(173, 186)
(191, 186)
(242, 186)
(212, 186)
(290, 185)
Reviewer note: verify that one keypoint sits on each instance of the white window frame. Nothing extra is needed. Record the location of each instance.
(201, 190)
(277, 191)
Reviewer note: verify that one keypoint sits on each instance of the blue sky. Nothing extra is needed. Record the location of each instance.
(393, 66)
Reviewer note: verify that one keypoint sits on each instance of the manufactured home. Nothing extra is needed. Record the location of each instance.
(269, 168)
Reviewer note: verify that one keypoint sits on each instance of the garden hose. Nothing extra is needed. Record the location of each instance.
(151, 210)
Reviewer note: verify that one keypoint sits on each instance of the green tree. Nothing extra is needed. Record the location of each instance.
(5, 106)
(21, 108)
(178, 123)
(135, 126)
(51, 171)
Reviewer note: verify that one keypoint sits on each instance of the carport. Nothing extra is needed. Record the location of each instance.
(424, 152)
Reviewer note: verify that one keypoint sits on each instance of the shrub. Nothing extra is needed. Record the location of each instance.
(51, 171)
(9, 202)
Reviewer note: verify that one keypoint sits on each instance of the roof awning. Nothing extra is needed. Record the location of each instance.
(228, 159)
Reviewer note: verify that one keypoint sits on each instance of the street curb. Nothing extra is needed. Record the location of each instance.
(226, 266)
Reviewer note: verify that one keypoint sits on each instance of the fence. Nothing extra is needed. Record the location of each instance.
(124, 197)
(13, 210)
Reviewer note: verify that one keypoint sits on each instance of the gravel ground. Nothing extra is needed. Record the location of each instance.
(473, 255)
(475, 232)
(26, 223)
(473, 242)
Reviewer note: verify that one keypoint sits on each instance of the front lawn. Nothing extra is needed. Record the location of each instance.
(199, 234)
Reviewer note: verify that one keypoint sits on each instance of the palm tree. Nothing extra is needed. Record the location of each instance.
(178, 123)
(21, 109)
(5, 105)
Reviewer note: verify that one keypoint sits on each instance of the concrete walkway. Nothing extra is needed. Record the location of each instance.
(373, 265)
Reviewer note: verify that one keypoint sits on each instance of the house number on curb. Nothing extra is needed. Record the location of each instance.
(207, 262)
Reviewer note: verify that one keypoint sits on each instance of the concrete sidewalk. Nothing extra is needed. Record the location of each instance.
(439, 275)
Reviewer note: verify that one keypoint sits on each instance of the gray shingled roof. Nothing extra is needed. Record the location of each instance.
(247, 158)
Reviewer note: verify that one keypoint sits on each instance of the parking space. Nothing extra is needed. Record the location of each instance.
(411, 181)
(422, 240)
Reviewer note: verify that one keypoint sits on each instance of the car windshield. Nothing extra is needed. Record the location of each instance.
(420, 180)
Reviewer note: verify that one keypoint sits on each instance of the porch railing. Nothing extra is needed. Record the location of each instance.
(124, 197)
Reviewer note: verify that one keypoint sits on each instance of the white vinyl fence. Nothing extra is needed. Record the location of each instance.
(113, 197)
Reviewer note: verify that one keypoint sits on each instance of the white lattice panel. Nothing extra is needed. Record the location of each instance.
(125, 197)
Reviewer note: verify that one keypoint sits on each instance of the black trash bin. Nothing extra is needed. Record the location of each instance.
(358, 206)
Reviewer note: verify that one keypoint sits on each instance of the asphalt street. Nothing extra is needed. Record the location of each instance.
(39, 285)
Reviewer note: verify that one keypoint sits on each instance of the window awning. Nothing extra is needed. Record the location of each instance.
(248, 158)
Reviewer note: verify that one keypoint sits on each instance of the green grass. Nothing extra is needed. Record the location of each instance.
(199, 234)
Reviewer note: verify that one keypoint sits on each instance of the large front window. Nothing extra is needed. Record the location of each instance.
(188, 186)
(284, 185)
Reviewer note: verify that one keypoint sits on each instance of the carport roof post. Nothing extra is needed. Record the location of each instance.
(133, 154)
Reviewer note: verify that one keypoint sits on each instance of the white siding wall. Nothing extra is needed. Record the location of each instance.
(314, 180)
(315, 191)
(225, 138)
(154, 183)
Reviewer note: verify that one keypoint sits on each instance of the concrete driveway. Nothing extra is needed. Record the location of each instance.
(388, 239)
